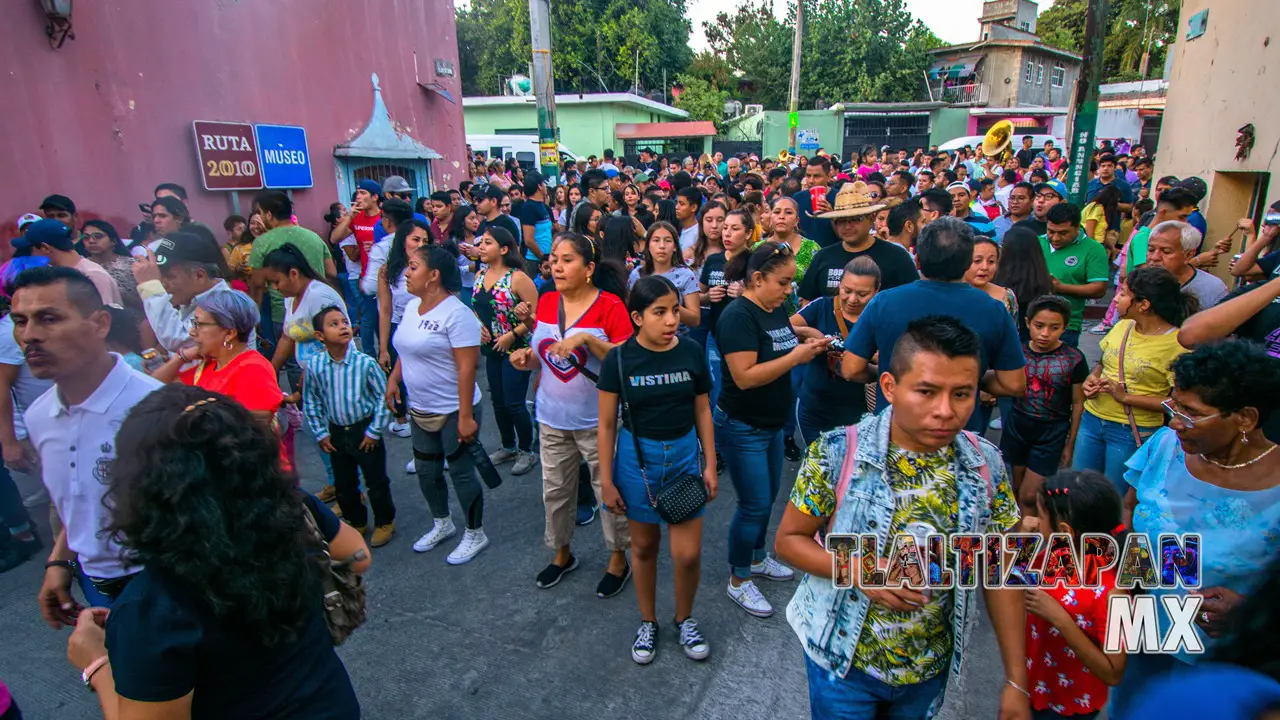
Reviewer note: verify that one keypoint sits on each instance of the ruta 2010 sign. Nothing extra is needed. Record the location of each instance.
(228, 155)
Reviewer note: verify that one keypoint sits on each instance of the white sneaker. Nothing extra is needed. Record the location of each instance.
(473, 541)
(503, 455)
(399, 429)
(524, 463)
(995, 424)
(771, 569)
(441, 531)
(748, 596)
(410, 468)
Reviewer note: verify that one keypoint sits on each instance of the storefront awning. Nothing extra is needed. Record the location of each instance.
(954, 68)
(650, 131)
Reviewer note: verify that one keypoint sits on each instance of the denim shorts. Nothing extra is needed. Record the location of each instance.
(665, 462)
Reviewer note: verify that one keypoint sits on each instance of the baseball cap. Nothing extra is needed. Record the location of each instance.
(493, 192)
(370, 187)
(45, 232)
(958, 185)
(664, 184)
(642, 177)
(61, 202)
(610, 171)
(1057, 186)
(26, 220)
(186, 247)
(1197, 187)
(396, 184)
(532, 180)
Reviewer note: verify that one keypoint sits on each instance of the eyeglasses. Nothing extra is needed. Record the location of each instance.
(93, 236)
(1047, 196)
(197, 324)
(1183, 417)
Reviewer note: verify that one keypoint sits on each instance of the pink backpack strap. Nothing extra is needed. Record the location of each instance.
(846, 471)
(984, 469)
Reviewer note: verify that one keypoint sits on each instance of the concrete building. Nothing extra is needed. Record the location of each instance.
(1218, 85)
(1007, 67)
(1133, 111)
(591, 123)
(108, 115)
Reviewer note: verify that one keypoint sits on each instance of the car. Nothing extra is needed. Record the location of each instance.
(1037, 142)
(524, 148)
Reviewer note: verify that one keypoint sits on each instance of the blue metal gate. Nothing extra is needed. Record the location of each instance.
(352, 170)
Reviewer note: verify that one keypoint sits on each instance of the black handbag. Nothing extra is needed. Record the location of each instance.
(343, 590)
(678, 500)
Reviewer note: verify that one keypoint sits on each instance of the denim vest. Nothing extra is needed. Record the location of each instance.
(829, 621)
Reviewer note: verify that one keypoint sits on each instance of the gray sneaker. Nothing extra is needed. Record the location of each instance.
(503, 455)
(524, 463)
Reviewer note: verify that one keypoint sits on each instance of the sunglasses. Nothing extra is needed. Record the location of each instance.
(93, 236)
(1171, 410)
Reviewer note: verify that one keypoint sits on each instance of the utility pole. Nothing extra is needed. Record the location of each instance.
(1085, 125)
(544, 90)
(797, 45)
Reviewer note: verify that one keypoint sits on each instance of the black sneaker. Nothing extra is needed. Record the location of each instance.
(15, 552)
(553, 573)
(611, 584)
(645, 648)
(792, 450)
(695, 646)
(719, 463)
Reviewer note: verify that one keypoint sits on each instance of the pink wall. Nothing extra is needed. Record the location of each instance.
(108, 116)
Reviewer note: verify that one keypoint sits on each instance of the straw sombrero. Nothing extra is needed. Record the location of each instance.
(852, 201)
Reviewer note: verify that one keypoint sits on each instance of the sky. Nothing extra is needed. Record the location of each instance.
(955, 21)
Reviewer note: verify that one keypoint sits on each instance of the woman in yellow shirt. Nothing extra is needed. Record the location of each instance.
(1123, 394)
(1102, 216)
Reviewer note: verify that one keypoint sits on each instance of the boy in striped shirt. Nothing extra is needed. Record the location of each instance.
(342, 399)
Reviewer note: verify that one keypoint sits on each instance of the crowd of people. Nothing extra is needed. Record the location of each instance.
(680, 321)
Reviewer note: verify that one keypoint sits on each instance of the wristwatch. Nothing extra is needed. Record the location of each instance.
(88, 673)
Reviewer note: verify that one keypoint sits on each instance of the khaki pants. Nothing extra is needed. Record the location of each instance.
(562, 452)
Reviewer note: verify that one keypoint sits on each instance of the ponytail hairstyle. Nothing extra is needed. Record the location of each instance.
(608, 275)
(1160, 288)
(443, 259)
(766, 258)
(331, 217)
(288, 257)
(646, 292)
(1088, 502)
(398, 256)
(502, 236)
(748, 221)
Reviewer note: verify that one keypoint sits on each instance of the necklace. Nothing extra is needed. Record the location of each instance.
(1237, 466)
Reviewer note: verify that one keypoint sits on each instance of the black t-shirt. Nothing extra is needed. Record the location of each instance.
(825, 394)
(1264, 328)
(1026, 157)
(822, 279)
(506, 223)
(1039, 227)
(713, 275)
(164, 643)
(815, 228)
(661, 386)
(744, 327)
(1050, 377)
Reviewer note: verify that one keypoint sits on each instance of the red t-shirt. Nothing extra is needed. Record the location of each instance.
(362, 226)
(1056, 677)
(567, 397)
(249, 379)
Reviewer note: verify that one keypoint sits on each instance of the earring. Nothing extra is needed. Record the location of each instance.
(226, 343)
(1244, 438)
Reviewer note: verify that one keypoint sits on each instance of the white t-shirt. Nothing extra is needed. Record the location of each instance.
(353, 266)
(297, 322)
(688, 237)
(425, 344)
(27, 388)
(400, 297)
(567, 397)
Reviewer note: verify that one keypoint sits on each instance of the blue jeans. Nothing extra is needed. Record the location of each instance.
(1072, 338)
(665, 462)
(507, 390)
(713, 360)
(797, 381)
(465, 295)
(92, 597)
(351, 293)
(858, 696)
(754, 458)
(367, 312)
(1104, 446)
(13, 515)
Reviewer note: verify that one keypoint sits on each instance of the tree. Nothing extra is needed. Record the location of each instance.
(701, 99)
(1133, 26)
(854, 51)
(594, 43)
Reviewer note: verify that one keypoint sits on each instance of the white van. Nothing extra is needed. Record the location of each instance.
(1037, 142)
(524, 148)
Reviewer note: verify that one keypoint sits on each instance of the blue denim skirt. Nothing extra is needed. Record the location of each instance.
(665, 462)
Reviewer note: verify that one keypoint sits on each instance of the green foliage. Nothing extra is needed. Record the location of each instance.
(854, 51)
(701, 99)
(594, 43)
(1132, 25)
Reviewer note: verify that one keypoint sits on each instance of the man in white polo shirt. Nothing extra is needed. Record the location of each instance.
(62, 325)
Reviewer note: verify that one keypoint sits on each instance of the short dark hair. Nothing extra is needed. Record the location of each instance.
(80, 290)
(590, 178)
(1178, 198)
(940, 334)
(608, 154)
(1142, 162)
(174, 188)
(1052, 303)
(1170, 180)
(937, 200)
(924, 173)
(1031, 189)
(692, 194)
(777, 173)
(1231, 375)
(232, 221)
(900, 215)
(1107, 158)
(317, 320)
(905, 176)
(442, 196)
(1010, 176)
(398, 210)
(944, 249)
(1063, 212)
(1028, 137)
(274, 203)
(984, 182)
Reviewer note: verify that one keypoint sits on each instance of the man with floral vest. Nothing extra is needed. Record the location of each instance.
(890, 652)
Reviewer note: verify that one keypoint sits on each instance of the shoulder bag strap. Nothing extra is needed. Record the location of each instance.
(840, 321)
(571, 359)
(1128, 411)
(635, 438)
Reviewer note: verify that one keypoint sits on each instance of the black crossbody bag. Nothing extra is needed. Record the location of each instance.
(678, 500)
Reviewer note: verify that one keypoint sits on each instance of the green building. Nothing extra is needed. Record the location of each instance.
(846, 127)
(593, 122)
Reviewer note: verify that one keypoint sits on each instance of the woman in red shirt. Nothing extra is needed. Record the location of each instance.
(1068, 674)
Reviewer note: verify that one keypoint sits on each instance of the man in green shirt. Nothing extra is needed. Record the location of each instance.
(276, 210)
(1173, 204)
(1077, 263)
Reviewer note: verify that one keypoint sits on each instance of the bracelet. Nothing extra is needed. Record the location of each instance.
(1018, 687)
(93, 668)
(70, 565)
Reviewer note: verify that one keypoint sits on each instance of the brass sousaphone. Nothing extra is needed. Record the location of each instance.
(998, 142)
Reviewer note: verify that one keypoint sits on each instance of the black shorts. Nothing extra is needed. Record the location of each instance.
(1034, 444)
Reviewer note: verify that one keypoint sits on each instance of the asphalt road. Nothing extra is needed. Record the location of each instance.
(481, 641)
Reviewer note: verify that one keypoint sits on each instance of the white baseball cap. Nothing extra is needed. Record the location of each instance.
(26, 220)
